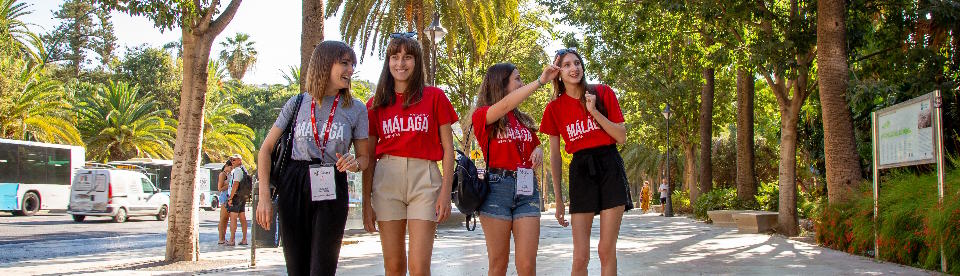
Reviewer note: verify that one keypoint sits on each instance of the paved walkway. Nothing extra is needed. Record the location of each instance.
(648, 245)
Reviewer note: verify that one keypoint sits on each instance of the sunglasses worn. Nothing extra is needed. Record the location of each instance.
(403, 35)
(565, 51)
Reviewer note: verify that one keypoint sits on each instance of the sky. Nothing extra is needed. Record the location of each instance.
(273, 25)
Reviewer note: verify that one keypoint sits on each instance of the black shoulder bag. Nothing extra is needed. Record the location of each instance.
(283, 149)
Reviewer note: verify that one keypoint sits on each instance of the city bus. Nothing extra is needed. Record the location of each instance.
(36, 176)
(160, 171)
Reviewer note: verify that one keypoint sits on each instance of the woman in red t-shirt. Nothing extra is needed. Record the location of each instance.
(510, 145)
(589, 120)
(410, 126)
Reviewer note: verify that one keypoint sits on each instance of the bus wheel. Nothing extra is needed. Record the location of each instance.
(30, 205)
(121, 216)
(79, 218)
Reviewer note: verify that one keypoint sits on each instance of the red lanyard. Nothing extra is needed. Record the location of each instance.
(326, 129)
(517, 141)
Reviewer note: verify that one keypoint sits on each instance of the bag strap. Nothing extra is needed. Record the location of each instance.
(296, 113)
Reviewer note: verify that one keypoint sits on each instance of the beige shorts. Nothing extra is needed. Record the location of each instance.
(405, 188)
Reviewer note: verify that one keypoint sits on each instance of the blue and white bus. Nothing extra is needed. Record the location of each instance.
(160, 172)
(36, 176)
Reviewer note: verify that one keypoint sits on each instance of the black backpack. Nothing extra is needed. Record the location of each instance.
(246, 186)
(469, 191)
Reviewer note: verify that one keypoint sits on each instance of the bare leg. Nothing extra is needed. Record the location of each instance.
(496, 232)
(392, 240)
(243, 222)
(610, 220)
(421, 246)
(526, 235)
(222, 226)
(582, 223)
(233, 229)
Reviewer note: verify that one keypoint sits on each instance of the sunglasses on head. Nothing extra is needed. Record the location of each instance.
(403, 35)
(565, 51)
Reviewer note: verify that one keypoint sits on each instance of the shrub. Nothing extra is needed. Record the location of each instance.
(681, 202)
(911, 226)
(717, 199)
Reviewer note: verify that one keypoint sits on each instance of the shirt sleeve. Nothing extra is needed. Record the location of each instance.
(479, 121)
(614, 114)
(547, 125)
(444, 109)
(361, 127)
(286, 113)
(372, 120)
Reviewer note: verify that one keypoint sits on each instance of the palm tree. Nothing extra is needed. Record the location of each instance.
(239, 54)
(119, 123)
(14, 32)
(222, 136)
(372, 22)
(292, 76)
(39, 112)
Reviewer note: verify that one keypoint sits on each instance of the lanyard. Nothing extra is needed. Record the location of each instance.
(517, 141)
(326, 129)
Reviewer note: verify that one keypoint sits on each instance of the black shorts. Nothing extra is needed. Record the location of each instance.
(238, 206)
(598, 181)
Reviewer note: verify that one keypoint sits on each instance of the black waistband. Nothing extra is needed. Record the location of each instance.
(315, 161)
(596, 150)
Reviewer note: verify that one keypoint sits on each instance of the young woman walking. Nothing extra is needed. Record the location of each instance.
(410, 128)
(589, 120)
(312, 193)
(508, 139)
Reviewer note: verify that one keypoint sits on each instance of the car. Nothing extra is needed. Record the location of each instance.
(115, 193)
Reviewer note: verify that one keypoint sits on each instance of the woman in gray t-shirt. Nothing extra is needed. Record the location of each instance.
(312, 189)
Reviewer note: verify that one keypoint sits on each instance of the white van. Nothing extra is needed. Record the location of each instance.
(115, 193)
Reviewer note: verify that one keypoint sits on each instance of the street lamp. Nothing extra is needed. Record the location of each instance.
(668, 206)
(435, 32)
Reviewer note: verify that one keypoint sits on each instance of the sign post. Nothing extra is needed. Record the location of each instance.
(907, 134)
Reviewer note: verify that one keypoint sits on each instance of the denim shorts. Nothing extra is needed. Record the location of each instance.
(504, 203)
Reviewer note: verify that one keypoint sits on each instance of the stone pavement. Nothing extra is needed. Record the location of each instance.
(648, 245)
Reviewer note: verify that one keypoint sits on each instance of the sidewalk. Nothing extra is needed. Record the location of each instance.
(648, 245)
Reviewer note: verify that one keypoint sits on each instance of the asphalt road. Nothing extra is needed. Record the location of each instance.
(52, 235)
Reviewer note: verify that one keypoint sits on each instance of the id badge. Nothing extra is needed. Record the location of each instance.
(524, 181)
(322, 183)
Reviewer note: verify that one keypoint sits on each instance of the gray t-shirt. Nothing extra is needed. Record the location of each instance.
(349, 123)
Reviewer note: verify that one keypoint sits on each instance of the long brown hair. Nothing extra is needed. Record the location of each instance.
(384, 96)
(493, 89)
(559, 87)
(321, 62)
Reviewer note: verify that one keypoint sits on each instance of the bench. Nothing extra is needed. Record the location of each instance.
(657, 208)
(755, 221)
(724, 218)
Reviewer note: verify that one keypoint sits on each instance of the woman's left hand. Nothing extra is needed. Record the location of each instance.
(347, 162)
(591, 102)
(443, 206)
(536, 157)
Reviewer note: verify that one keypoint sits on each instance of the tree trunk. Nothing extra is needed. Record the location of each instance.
(182, 227)
(839, 143)
(689, 167)
(706, 136)
(311, 34)
(182, 223)
(787, 219)
(746, 175)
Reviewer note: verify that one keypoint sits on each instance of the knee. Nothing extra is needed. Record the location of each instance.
(608, 254)
(581, 262)
(525, 267)
(395, 267)
(419, 269)
(498, 265)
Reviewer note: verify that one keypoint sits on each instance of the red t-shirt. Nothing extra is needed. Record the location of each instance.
(506, 150)
(413, 131)
(568, 118)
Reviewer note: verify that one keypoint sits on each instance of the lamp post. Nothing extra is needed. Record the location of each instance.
(668, 206)
(435, 32)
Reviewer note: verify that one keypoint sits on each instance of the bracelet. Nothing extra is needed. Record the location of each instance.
(540, 82)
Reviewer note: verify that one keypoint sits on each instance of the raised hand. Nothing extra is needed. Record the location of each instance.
(591, 102)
